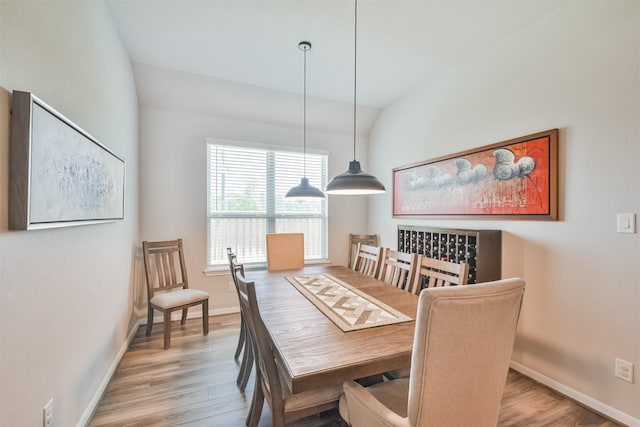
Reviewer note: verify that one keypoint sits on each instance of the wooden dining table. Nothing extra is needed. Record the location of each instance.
(311, 350)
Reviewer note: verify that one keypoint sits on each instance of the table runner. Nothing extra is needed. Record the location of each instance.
(347, 307)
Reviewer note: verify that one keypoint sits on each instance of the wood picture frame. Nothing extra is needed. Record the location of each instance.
(59, 175)
(513, 179)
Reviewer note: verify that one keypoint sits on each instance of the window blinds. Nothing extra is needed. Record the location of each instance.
(245, 199)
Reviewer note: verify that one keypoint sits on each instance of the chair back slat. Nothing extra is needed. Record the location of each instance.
(160, 259)
(432, 273)
(398, 268)
(355, 239)
(367, 259)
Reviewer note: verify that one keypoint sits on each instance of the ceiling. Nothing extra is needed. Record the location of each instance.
(401, 43)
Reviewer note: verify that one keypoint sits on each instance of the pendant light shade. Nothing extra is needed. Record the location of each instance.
(304, 190)
(354, 181)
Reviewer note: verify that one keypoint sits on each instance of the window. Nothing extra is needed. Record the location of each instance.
(245, 200)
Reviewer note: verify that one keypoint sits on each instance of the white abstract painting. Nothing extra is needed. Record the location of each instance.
(72, 177)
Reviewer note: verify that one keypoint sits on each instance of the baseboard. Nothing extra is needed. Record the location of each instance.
(579, 397)
(93, 403)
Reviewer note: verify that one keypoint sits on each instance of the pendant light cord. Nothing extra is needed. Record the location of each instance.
(355, 68)
(304, 119)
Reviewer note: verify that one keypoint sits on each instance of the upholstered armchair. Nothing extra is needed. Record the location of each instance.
(462, 347)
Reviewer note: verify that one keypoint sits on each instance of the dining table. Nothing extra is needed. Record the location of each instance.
(311, 350)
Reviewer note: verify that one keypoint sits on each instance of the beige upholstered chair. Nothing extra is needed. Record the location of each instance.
(244, 340)
(368, 259)
(285, 407)
(398, 268)
(435, 272)
(285, 251)
(168, 287)
(354, 239)
(462, 347)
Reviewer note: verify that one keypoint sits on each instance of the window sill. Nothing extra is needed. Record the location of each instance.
(223, 270)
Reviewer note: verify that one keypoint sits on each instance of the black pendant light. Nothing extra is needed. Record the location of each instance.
(304, 190)
(354, 181)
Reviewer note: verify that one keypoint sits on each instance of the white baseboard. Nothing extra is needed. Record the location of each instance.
(582, 398)
(93, 403)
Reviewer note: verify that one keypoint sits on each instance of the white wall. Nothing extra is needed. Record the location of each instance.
(179, 110)
(577, 69)
(65, 294)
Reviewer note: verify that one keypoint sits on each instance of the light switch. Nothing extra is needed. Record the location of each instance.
(626, 223)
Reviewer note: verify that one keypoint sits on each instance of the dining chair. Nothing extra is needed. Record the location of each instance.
(461, 352)
(354, 239)
(241, 336)
(431, 273)
(398, 268)
(368, 259)
(168, 286)
(285, 406)
(285, 251)
(243, 339)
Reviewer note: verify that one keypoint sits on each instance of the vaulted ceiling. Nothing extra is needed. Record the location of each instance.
(401, 43)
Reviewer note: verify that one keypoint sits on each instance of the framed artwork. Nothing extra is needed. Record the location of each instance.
(514, 179)
(59, 174)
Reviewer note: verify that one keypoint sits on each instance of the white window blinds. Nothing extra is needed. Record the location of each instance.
(245, 200)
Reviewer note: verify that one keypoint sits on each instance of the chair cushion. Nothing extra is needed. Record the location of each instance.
(392, 394)
(178, 297)
(311, 398)
(398, 373)
(375, 406)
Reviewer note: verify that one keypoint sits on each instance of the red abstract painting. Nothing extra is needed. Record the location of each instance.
(512, 178)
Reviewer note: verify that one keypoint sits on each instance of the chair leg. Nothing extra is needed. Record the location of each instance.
(149, 320)
(205, 317)
(245, 368)
(184, 316)
(241, 338)
(167, 329)
(255, 411)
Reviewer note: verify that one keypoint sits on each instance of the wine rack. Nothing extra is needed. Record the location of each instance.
(481, 249)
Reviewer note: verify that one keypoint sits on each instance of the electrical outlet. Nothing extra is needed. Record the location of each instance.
(624, 370)
(47, 414)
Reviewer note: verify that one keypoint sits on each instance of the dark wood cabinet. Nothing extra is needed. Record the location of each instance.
(481, 249)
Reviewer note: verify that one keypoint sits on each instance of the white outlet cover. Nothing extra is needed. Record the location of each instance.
(626, 223)
(624, 370)
(47, 414)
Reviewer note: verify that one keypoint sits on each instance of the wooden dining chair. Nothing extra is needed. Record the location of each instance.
(432, 273)
(241, 336)
(285, 251)
(168, 287)
(398, 268)
(368, 259)
(458, 371)
(354, 239)
(244, 340)
(285, 406)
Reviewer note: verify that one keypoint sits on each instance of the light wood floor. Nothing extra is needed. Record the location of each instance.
(193, 384)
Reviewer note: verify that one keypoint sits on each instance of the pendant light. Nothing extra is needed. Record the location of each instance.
(304, 190)
(354, 181)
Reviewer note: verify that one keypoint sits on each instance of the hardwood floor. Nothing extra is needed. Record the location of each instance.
(194, 384)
